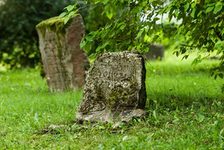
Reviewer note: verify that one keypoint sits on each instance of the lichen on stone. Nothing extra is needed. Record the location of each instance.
(114, 90)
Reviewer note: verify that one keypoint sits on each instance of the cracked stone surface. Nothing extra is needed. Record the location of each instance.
(115, 89)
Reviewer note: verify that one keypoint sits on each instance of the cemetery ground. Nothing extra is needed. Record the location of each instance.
(184, 105)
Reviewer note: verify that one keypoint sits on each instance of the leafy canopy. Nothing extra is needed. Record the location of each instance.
(130, 25)
(201, 26)
(134, 24)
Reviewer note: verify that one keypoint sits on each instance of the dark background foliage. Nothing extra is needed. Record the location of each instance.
(18, 37)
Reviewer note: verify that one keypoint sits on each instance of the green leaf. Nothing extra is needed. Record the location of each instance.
(218, 7)
(221, 75)
(109, 14)
(104, 2)
(139, 34)
(193, 13)
(122, 27)
(176, 53)
(185, 57)
(155, 37)
(156, 19)
(83, 44)
(219, 46)
(63, 14)
(183, 50)
(186, 6)
(70, 7)
(209, 9)
(72, 14)
(197, 60)
(171, 13)
(66, 19)
(147, 38)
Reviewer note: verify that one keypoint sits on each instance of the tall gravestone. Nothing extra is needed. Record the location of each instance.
(115, 89)
(64, 62)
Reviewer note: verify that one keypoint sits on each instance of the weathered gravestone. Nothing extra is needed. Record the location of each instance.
(115, 89)
(64, 62)
(156, 52)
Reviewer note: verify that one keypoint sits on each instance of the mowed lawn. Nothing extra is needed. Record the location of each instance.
(185, 111)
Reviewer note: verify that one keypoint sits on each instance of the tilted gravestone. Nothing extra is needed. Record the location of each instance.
(156, 51)
(64, 62)
(115, 89)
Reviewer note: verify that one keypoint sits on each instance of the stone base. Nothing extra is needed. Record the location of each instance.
(106, 116)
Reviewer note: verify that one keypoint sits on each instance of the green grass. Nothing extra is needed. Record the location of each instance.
(184, 103)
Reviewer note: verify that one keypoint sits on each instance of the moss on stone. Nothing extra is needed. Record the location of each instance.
(55, 24)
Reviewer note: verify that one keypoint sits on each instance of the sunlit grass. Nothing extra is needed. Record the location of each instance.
(185, 106)
(175, 81)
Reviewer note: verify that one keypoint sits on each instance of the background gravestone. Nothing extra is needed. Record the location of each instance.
(64, 62)
(114, 89)
(156, 52)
